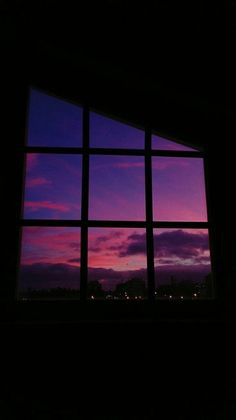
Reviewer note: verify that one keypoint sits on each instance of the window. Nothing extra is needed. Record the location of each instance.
(110, 211)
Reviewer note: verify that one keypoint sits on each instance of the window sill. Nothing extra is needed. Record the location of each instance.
(73, 312)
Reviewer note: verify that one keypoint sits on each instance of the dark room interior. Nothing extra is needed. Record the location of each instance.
(167, 67)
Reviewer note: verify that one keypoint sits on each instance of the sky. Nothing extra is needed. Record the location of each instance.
(53, 185)
(53, 122)
(116, 188)
(50, 256)
(106, 132)
(159, 143)
(178, 189)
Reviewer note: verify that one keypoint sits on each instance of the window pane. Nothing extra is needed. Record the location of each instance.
(117, 263)
(49, 264)
(116, 188)
(106, 132)
(52, 186)
(178, 189)
(53, 122)
(159, 143)
(182, 264)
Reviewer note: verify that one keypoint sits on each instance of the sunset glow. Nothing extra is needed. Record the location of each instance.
(178, 189)
(117, 257)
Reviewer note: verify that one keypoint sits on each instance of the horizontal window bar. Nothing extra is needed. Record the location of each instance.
(198, 225)
(175, 153)
(50, 222)
(111, 151)
(58, 150)
(112, 223)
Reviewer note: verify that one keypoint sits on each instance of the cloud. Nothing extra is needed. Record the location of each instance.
(74, 260)
(37, 182)
(40, 276)
(136, 244)
(102, 241)
(163, 163)
(45, 276)
(176, 244)
(181, 244)
(75, 246)
(36, 205)
(128, 165)
(106, 238)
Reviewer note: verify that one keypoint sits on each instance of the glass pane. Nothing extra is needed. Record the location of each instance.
(49, 264)
(182, 264)
(178, 189)
(106, 132)
(159, 143)
(117, 263)
(53, 122)
(116, 188)
(52, 186)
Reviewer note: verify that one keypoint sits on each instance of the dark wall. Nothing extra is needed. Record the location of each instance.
(64, 360)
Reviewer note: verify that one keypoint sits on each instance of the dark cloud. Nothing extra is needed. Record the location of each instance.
(181, 244)
(106, 238)
(75, 246)
(74, 260)
(136, 245)
(45, 276)
(167, 245)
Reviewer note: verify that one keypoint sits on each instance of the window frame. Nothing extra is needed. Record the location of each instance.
(85, 223)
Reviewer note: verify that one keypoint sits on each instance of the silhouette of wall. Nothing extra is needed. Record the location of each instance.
(65, 360)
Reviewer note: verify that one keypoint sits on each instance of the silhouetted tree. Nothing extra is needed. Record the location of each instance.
(95, 289)
(133, 287)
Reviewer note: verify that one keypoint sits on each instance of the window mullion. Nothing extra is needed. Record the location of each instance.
(149, 216)
(84, 208)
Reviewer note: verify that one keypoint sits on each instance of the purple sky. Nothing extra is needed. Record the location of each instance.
(116, 192)
(159, 143)
(53, 122)
(114, 255)
(178, 189)
(107, 132)
(52, 186)
(116, 188)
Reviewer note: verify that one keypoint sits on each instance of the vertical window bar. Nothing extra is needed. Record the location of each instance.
(84, 208)
(211, 232)
(149, 215)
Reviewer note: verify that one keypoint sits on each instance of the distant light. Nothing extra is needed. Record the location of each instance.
(136, 297)
(182, 297)
(140, 297)
(195, 294)
(155, 293)
(127, 297)
(92, 297)
(170, 297)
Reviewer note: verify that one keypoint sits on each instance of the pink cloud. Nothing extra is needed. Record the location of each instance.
(106, 253)
(163, 163)
(36, 205)
(50, 245)
(37, 182)
(128, 165)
